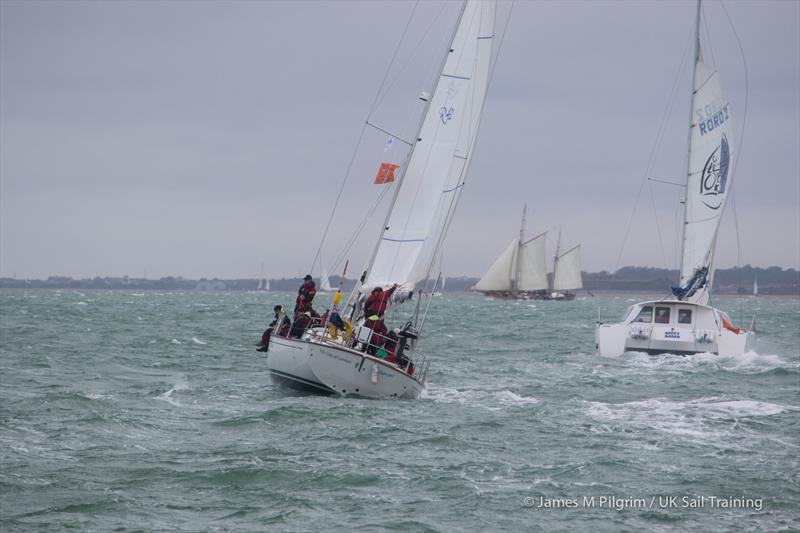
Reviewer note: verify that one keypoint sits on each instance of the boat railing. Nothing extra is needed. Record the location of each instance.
(364, 339)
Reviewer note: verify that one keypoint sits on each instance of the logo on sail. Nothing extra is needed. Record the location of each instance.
(446, 114)
(715, 176)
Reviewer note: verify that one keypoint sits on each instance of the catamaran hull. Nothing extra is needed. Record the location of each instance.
(288, 366)
(706, 333)
(325, 368)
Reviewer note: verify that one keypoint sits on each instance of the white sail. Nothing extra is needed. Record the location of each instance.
(431, 184)
(708, 182)
(532, 275)
(567, 274)
(498, 277)
(260, 286)
(266, 284)
(325, 282)
(755, 287)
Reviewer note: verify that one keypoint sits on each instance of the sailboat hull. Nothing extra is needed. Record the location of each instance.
(321, 367)
(675, 327)
(529, 295)
(288, 366)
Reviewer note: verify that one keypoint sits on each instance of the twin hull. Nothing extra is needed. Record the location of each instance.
(327, 368)
(701, 331)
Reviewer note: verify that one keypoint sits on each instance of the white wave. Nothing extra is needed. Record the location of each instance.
(702, 420)
(80, 303)
(512, 398)
(167, 396)
(486, 399)
(176, 341)
(198, 341)
(747, 363)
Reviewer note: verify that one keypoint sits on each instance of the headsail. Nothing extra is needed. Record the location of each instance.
(325, 282)
(708, 181)
(498, 277)
(431, 184)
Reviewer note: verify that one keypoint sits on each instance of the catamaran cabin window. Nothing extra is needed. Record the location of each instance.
(684, 316)
(662, 315)
(645, 315)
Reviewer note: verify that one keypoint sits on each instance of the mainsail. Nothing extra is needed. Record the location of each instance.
(325, 282)
(429, 189)
(567, 271)
(708, 180)
(532, 273)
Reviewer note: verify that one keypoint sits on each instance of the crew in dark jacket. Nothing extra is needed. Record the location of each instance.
(286, 324)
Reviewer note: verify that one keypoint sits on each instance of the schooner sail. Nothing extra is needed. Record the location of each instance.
(687, 324)
(521, 271)
(427, 194)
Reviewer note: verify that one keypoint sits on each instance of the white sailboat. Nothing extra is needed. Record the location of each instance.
(686, 322)
(325, 282)
(521, 271)
(755, 286)
(424, 202)
(263, 283)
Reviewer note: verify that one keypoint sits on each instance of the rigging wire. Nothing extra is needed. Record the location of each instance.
(360, 138)
(659, 135)
(738, 151)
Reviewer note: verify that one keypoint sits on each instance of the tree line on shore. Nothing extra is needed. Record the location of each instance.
(771, 280)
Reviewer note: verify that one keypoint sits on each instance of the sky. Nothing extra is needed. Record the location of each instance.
(206, 139)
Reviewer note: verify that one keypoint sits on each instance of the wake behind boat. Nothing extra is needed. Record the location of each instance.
(353, 353)
(686, 323)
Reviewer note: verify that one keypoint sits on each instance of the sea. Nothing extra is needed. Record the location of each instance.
(152, 411)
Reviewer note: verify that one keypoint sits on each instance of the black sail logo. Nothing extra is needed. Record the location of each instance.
(714, 179)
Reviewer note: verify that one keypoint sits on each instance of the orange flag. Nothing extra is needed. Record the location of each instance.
(385, 173)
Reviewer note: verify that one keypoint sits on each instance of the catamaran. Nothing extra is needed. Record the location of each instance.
(686, 322)
(521, 271)
(425, 198)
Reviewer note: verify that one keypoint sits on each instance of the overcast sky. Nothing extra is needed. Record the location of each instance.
(207, 138)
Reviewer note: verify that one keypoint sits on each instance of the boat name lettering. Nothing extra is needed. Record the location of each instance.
(711, 117)
(335, 356)
(672, 334)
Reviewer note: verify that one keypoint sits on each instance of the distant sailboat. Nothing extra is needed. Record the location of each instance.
(755, 286)
(325, 283)
(521, 271)
(686, 323)
(263, 283)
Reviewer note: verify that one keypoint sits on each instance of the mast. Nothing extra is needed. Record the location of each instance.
(555, 261)
(518, 264)
(681, 281)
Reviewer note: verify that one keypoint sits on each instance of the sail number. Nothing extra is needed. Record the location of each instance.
(672, 334)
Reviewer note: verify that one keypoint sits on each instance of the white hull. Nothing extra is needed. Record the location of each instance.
(329, 368)
(701, 331)
(288, 365)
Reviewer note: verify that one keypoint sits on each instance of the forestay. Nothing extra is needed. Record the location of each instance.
(430, 187)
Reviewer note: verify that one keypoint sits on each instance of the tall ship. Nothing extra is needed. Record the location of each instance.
(520, 272)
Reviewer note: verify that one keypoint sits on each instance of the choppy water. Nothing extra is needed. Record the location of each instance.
(152, 412)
